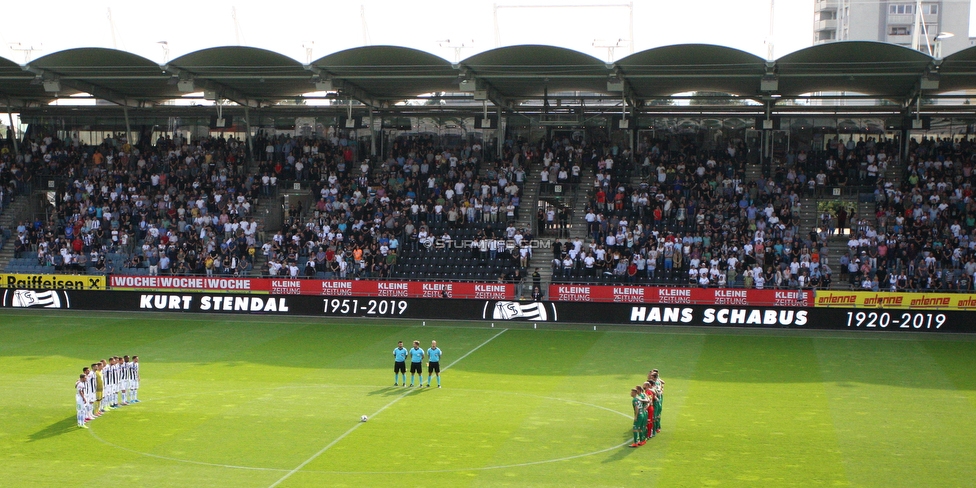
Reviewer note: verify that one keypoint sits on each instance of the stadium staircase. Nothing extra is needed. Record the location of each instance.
(530, 197)
(753, 173)
(259, 213)
(542, 258)
(19, 209)
(528, 220)
(577, 226)
(895, 171)
(809, 216)
(837, 244)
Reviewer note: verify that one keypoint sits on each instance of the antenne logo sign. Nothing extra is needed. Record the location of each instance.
(35, 299)
(506, 310)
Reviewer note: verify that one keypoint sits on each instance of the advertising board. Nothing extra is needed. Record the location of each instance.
(539, 313)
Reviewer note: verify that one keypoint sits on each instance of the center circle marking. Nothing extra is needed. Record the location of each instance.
(452, 470)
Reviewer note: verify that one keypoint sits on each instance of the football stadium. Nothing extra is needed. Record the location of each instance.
(546, 262)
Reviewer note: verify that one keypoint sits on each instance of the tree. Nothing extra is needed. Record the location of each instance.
(719, 98)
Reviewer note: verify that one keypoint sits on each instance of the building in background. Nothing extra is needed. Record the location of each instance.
(894, 22)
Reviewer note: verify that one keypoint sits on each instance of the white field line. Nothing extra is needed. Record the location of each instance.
(388, 405)
(282, 470)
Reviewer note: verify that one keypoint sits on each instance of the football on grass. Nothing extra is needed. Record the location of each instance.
(365, 418)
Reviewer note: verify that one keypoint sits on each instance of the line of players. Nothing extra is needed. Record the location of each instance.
(417, 355)
(647, 400)
(106, 385)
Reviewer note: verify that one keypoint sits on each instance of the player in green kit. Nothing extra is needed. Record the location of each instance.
(640, 417)
(648, 390)
(646, 403)
(655, 379)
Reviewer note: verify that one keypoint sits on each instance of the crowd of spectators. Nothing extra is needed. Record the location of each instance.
(366, 217)
(175, 207)
(671, 212)
(692, 218)
(14, 179)
(922, 235)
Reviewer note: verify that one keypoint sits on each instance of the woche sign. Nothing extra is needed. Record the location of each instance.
(315, 287)
(125, 282)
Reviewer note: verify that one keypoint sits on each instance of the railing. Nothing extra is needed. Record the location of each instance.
(846, 191)
(392, 288)
(843, 285)
(564, 190)
(527, 281)
(629, 293)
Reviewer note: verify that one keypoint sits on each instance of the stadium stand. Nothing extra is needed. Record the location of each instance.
(700, 214)
(423, 212)
(690, 210)
(176, 206)
(920, 236)
(674, 213)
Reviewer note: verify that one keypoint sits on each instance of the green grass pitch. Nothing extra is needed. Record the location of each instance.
(259, 402)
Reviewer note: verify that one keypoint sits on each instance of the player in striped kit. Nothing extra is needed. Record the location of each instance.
(110, 384)
(125, 370)
(80, 406)
(116, 381)
(89, 392)
(106, 385)
(119, 383)
(134, 382)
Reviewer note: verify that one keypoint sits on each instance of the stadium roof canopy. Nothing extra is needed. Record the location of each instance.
(664, 71)
(871, 68)
(381, 76)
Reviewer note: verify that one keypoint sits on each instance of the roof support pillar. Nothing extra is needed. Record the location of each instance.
(13, 129)
(910, 112)
(500, 134)
(128, 128)
(632, 128)
(903, 150)
(767, 136)
(382, 138)
(247, 127)
(372, 136)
